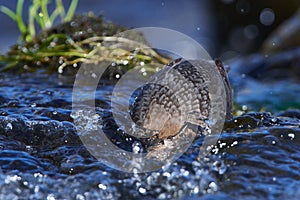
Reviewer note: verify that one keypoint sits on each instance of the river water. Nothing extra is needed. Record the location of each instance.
(256, 157)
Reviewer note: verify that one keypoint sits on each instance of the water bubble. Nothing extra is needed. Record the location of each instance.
(271, 140)
(73, 23)
(198, 28)
(267, 17)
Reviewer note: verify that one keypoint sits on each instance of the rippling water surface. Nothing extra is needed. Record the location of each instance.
(41, 156)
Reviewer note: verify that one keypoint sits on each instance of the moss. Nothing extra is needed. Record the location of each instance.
(87, 39)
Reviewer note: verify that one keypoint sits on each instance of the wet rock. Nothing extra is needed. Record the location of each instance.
(285, 37)
(82, 27)
(290, 113)
(279, 66)
(19, 160)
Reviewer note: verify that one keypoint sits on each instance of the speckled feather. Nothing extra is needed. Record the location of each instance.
(175, 95)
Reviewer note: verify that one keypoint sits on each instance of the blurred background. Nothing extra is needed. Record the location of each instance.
(226, 28)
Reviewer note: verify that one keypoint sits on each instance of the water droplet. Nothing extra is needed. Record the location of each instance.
(274, 120)
(244, 108)
(52, 44)
(234, 143)
(143, 70)
(73, 23)
(136, 149)
(117, 76)
(291, 135)
(102, 186)
(24, 49)
(125, 62)
(9, 126)
(142, 190)
(196, 190)
(80, 197)
(267, 17)
(50, 197)
(94, 75)
(198, 28)
(213, 186)
(26, 67)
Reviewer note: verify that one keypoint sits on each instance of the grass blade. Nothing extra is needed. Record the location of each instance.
(59, 10)
(8, 12)
(71, 10)
(19, 18)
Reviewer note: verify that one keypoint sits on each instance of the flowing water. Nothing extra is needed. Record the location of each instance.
(41, 156)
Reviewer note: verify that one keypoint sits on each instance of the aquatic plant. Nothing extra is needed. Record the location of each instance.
(38, 13)
(90, 40)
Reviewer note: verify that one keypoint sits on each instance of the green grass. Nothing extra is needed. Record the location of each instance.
(60, 49)
(90, 50)
(38, 13)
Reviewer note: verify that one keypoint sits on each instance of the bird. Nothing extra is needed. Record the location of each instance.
(176, 95)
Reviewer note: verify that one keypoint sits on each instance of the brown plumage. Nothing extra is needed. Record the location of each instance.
(175, 95)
